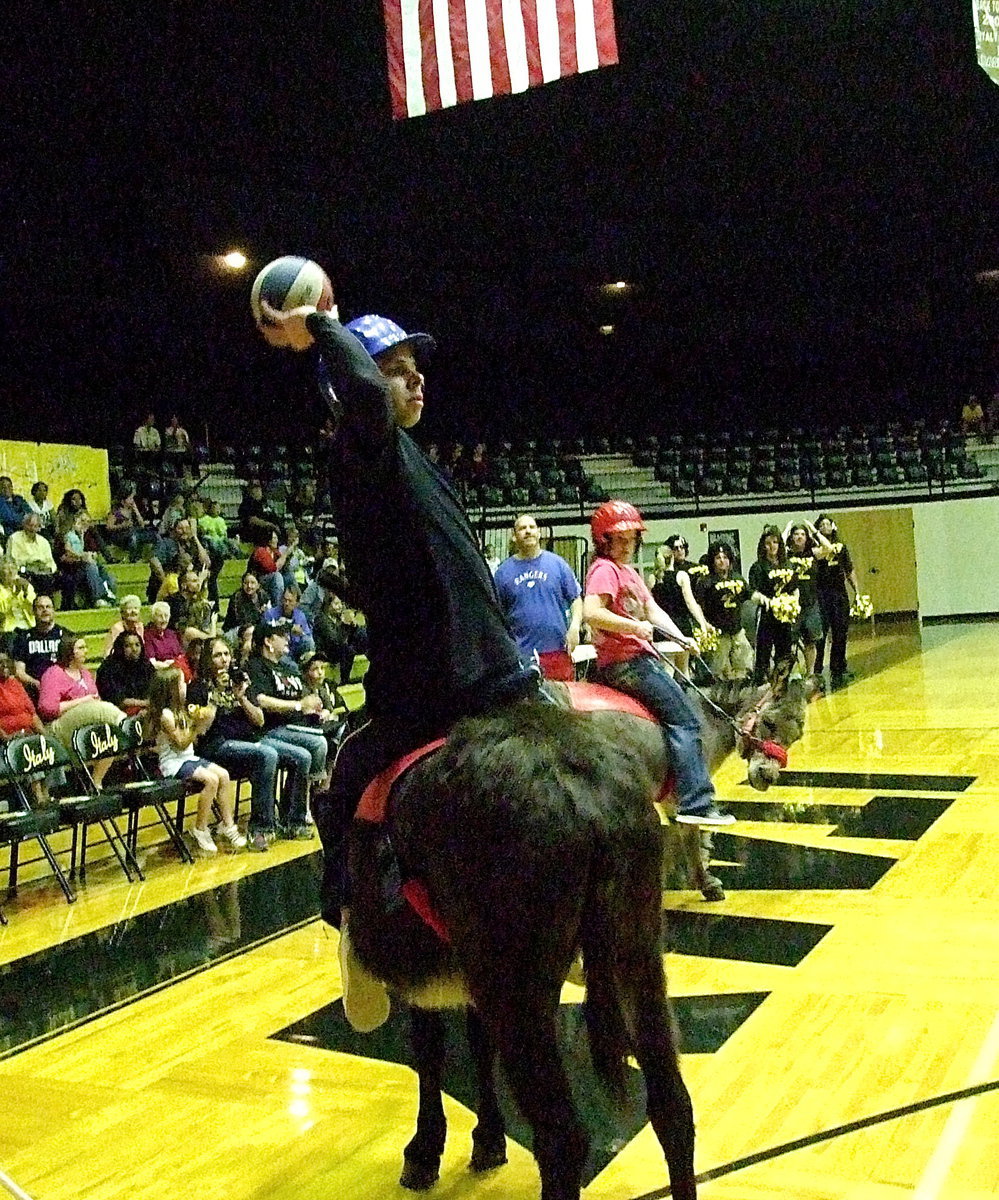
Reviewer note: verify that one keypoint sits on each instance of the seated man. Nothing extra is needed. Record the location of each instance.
(147, 437)
(13, 508)
(191, 616)
(256, 521)
(300, 639)
(280, 692)
(176, 439)
(33, 555)
(214, 532)
(167, 557)
(34, 650)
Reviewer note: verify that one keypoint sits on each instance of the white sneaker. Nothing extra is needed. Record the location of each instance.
(232, 835)
(365, 998)
(204, 839)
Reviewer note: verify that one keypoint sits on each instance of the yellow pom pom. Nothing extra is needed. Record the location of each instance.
(862, 608)
(707, 639)
(786, 608)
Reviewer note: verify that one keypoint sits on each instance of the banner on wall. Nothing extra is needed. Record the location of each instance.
(986, 17)
(62, 467)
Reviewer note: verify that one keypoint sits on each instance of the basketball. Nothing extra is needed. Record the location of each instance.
(290, 282)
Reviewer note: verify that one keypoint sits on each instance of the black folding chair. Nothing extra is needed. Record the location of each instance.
(26, 758)
(90, 744)
(144, 790)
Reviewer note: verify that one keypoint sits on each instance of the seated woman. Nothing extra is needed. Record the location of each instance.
(130, 608)
(245, 606)
(175, 730)
(17, 714)
(267, 562)
(125, 526)
(233, 729)
(16, 599)
(70, 506)
(68, 698)
(81, 568)
(163, 645)
(125, 676)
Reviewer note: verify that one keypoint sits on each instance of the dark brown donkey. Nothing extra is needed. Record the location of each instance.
(536, 836)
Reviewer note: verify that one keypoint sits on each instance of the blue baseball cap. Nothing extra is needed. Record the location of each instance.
(378, 334)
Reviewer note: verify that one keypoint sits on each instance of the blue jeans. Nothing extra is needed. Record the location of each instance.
(259, 762)
(645, 678)
(273, 585)
(307, 750)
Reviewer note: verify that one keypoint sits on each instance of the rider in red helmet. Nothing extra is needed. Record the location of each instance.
(622, 614)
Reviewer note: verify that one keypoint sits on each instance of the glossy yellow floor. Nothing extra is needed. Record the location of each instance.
(830, 1090)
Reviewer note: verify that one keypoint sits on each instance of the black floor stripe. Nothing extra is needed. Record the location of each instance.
(827, 1135)
(67, 984)
(96, 1014)
(873, 781)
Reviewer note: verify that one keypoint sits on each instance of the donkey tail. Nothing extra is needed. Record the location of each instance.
(610, 1042)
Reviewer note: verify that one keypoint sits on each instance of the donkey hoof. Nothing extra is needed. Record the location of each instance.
(486, 1157)
(419, 1176)
(713, 889)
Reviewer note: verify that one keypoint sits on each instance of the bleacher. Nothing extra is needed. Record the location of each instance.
(151, 837)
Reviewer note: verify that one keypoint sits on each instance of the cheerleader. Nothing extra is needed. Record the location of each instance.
(674, 593)
(802, 546)
(834, 570)
(723, 594)
(770, 577)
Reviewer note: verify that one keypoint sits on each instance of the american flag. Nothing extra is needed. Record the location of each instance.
(443, 52)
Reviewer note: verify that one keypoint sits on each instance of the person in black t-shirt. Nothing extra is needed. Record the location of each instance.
(834, 571)
(770, 577)
(800, 540)
(35, 650)
(674, 592)
(402, 532)
(722, 594)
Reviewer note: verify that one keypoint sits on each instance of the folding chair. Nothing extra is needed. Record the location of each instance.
(90, 744)
(144, 790)
(25, 758)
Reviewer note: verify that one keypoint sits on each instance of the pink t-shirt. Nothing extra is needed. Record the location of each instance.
(629, 597)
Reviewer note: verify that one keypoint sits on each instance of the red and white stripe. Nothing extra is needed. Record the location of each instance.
(444, 52)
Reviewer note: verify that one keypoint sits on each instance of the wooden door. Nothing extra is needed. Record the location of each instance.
(883, 548)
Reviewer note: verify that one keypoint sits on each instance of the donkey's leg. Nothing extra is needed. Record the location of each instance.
(522, 1023)
(641, 986)
(489, 1134)
(422, 1157)
(668, 1104)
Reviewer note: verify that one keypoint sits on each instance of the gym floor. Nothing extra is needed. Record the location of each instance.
(839, 1012)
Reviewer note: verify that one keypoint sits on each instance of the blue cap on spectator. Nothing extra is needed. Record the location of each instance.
(378, 334)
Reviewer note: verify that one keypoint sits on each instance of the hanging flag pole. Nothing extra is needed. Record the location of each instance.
(446, 52)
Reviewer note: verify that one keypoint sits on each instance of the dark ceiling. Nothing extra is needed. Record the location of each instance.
(800, 194)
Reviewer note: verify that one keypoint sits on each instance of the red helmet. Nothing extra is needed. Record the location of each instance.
(615, 516)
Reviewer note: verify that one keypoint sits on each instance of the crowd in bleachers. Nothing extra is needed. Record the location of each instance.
(286, 632)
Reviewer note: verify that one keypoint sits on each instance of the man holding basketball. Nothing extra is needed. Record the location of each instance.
(402, 530)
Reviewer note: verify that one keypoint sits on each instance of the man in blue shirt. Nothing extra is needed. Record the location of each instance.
(300, 639)
(540, 597)
(13, 508)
